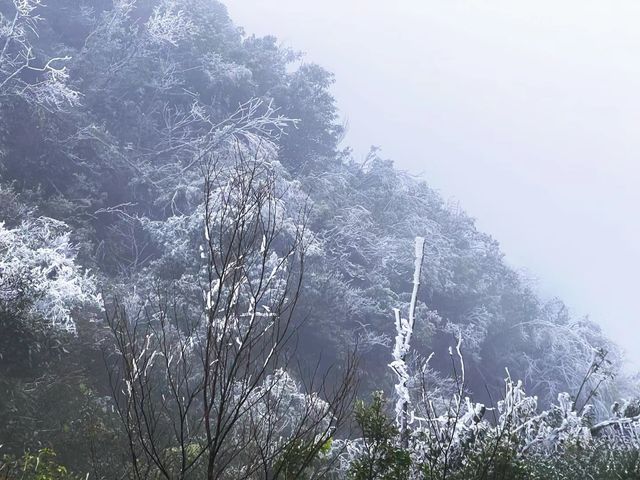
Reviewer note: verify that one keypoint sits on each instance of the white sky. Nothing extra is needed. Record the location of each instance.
(525, 111)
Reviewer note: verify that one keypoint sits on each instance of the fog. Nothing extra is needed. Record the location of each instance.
(206, 272)
(524, 112)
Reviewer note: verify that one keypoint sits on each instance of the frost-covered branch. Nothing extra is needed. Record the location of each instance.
(404, 330)
(21, 74)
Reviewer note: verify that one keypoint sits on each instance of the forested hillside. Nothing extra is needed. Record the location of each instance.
(158, 166)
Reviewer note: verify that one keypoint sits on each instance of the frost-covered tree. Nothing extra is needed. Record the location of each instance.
(24, 73)
(39, 274)
(207, 392)
(165, 84)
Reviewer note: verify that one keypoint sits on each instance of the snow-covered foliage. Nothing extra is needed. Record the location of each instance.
(37, 264)
(169, 24)
(170, 88)
(466, 438)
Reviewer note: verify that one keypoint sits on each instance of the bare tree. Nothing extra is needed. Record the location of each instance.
(210, 395)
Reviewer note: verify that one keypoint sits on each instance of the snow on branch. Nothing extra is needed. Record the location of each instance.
(404, 330)
(50, 88)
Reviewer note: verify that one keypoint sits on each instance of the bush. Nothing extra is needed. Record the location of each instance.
(41, 465)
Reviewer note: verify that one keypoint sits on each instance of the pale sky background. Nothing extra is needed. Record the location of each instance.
(527, 112)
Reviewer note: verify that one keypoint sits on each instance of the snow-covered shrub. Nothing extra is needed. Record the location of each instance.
(442, 434)
(39, 273)
(513, 439)
(376, 454)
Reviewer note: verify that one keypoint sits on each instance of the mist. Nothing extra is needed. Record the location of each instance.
(524, 112)
(284, 239)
